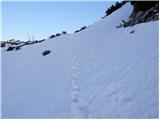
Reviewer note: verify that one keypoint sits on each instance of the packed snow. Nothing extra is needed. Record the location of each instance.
(100, 72)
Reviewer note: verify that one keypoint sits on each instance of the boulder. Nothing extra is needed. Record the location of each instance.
(132, 31)
(46, 52)
(10, 48)
(18, 48)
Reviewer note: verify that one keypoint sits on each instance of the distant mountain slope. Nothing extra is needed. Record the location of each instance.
(100, 72)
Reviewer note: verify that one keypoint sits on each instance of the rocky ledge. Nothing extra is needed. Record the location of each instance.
(144, 11)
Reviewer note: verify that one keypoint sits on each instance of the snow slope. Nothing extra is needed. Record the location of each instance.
(101, 72)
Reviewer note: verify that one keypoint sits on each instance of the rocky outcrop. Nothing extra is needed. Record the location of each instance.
(141, 6)
(144, 11)
(17, 44)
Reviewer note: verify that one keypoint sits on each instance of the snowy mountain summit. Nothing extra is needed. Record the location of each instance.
(100, 72)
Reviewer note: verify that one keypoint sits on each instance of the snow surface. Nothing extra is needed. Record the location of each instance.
(100, 72)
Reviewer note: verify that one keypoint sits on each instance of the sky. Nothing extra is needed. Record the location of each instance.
(21, 20)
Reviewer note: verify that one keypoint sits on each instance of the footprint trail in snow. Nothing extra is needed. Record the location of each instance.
(76, 109)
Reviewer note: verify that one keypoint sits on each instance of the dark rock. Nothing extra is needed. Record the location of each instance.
(52, 36)
(64, 32)
(143, 5)
(14, 43)
(103, 17)
(58, 34)
(3, 44)
(144, 11)
(82, 28)
(126, 24)
(119, 26)
(77, 31)
(28, 42)
(132, 31)
(42, 40)
(10, 49)
(18, 48)
(46, 52)
(152, 18)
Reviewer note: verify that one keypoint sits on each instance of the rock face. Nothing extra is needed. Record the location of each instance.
(144, 11)
(142, 5)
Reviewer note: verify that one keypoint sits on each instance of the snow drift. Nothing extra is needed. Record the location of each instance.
(100, 72)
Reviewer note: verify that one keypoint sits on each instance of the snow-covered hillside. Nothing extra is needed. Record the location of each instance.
(100, 72)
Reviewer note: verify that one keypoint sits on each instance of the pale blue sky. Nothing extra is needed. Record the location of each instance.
(42, 19)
